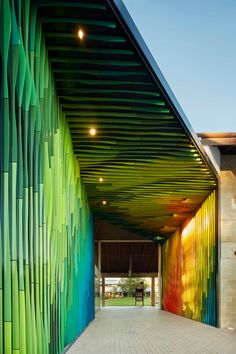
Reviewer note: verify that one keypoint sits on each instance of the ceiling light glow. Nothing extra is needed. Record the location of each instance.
(81, 34)
(92, 131)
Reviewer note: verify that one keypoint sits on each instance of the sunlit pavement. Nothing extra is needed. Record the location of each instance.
(147, 330)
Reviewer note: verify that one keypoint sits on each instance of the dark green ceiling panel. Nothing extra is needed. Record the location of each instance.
(154, 175)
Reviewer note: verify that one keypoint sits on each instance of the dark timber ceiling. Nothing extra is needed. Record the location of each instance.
(120, 258)
(154, 174)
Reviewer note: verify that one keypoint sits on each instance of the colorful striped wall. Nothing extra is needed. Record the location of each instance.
(46, 248)
(189, 267)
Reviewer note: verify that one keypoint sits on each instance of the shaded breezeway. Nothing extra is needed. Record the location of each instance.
(148, 330)
(143, 169)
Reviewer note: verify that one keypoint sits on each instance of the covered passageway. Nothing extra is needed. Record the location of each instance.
(96, 158)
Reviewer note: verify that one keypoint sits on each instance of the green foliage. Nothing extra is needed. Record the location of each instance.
(114, 289)
(128, 285)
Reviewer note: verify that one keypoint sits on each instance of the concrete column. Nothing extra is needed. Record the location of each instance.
(153, 292)
(159, 278)
(99, 269)
(103, 291)
(228, 242)
(100, 257)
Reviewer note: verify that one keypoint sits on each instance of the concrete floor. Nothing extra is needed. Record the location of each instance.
(147, 330)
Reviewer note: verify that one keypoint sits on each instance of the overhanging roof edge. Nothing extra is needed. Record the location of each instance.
(128, 24)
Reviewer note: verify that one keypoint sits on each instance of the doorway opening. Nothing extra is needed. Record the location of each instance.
(130, 291)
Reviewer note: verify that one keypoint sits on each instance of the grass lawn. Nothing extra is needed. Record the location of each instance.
(126, 301)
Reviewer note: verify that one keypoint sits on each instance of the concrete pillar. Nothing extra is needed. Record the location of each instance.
(103, 291)
(159, 278)
(99, 257)
(99, 270)
(228, 242)
(153, 291)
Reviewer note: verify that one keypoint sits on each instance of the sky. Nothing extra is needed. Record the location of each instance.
(194, 45)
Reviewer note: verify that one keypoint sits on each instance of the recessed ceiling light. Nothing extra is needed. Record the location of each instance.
(104, 202)
(100, 179)
(81, 34)
(92, 131)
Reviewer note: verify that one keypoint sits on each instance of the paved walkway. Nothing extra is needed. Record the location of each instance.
(126, 330)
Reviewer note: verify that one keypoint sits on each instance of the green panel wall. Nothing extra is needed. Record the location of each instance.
(46, 248)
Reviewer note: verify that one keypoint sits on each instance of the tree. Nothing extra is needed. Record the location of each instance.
(128, 285)
(114, 290)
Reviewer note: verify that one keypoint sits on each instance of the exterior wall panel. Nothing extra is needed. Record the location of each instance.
(189, 267)
(46, 248)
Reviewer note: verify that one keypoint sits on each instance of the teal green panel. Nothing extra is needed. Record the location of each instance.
(46, 233)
